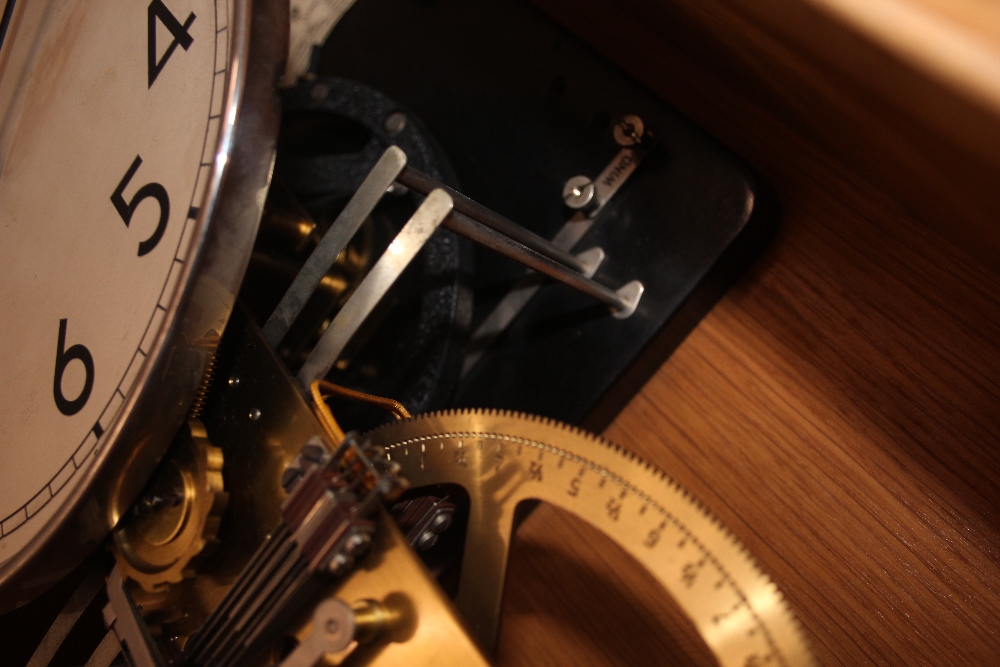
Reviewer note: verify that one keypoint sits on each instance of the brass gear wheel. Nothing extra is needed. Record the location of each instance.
(176, 520)
(504, 458)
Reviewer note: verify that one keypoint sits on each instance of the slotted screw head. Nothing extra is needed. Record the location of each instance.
(629, 130)
(340, 564)
(441, 522)
(578, 193)
(426, 540)
(357, 543)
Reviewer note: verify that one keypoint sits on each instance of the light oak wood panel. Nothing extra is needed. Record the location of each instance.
(839, 410)
(956, 42)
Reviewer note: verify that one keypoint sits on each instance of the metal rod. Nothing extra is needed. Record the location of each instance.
(106, 652)
(422, 183)
(334, 241)
(387, 269)
(67, 618)
(606, 185)
(465, 226)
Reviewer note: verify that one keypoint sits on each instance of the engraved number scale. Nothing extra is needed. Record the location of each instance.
(502, 458)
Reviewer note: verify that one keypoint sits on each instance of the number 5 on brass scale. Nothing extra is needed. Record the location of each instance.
(279, 323)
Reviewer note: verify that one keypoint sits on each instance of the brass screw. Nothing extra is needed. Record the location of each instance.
(629, 131)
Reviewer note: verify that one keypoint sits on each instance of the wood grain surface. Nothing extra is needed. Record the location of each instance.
(839, 410)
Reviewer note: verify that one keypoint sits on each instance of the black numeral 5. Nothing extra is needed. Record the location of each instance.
(125, 210)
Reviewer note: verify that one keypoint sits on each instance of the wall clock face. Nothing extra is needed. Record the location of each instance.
(116, 124)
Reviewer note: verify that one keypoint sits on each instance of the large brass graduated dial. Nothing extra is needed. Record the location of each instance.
(502, 459)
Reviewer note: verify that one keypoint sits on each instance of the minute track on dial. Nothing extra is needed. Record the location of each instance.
(504, 458)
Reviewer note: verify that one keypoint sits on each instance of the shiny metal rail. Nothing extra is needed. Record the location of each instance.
(387, 269)
(424, 184)
(334, 241)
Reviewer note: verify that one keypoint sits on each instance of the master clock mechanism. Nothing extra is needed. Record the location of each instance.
(297, 334)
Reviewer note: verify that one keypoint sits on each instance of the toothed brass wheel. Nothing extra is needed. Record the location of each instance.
(175, 521)
(502, 459)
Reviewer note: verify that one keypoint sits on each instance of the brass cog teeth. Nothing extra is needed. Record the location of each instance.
(768, 606)
(784, 608)
(198, 405)
(164, 543)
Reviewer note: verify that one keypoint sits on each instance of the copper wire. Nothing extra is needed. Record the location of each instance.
(321, 389)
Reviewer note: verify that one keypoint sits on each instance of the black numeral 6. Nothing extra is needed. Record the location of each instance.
(63, 357)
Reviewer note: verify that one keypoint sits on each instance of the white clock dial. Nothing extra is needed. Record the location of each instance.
(110, 117)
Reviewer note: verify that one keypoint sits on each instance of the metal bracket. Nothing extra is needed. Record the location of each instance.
(123, 619)
(332, 632)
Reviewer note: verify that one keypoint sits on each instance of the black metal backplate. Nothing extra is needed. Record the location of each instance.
(520, 105)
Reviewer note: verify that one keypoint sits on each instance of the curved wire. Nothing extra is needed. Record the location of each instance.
(321, 389)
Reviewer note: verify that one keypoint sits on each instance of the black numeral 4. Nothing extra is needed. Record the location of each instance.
(125, 210)
(158, 10)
